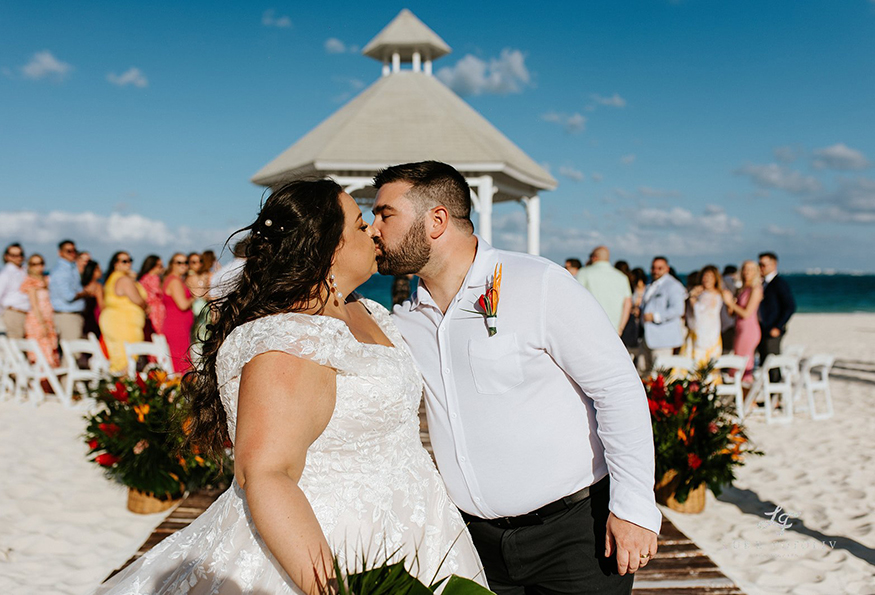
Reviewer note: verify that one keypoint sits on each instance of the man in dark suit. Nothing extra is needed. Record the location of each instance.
(775, 310)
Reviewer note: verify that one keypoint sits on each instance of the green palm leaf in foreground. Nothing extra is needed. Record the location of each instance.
(394, 579)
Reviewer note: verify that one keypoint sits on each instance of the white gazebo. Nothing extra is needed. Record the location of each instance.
(409, 115)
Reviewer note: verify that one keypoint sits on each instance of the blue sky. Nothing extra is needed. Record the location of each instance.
(704, 130)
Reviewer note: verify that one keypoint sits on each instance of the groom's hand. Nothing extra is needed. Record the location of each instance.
(635, 546)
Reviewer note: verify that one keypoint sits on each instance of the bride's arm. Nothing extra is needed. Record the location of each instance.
(285, 403)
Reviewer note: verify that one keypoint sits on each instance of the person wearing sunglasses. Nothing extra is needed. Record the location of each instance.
(14, 305)
(39, 324)
(124, 312)
(179, 319)
(66, 293)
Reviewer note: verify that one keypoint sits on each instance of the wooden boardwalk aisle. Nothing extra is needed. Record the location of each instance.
(680, 567)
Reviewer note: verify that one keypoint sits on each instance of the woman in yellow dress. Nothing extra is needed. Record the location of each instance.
(124, 312)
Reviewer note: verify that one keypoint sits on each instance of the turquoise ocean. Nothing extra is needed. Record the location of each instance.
(813, 293)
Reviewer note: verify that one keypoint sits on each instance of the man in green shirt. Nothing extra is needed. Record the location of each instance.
(609, 286)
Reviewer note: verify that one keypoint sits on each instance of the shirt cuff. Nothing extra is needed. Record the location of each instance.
(634, 507)
(657, 319)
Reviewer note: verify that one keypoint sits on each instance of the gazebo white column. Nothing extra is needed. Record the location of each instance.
(485, 190)
(417, 64)
(533, 221)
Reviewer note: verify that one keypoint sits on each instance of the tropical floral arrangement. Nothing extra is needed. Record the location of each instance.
(696, 437)
(393, 578)
(136, 436)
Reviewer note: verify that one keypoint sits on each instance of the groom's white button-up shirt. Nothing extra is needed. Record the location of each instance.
(549, 405)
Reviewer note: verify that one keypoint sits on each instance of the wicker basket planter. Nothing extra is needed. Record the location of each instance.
(665, 490)
(142, 503)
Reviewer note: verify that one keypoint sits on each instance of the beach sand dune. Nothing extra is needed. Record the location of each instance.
(64, 527)
(821, 473)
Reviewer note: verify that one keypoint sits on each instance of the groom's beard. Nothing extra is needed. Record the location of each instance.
(409, 256)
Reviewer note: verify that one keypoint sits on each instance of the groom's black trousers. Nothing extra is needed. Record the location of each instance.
(563, 556)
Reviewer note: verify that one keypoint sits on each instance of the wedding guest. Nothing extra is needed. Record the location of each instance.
(401, 289)
(150, 279)
(13, 304)
(124, 312)
(623, 267)
(662, 310)
(82, 259)
(573, 266)
(727, 320)
(40, 324)
(179, 317)
(745, 309)
(198, 282)
(776, 308)
(91, 276)
(632, 331)
(67, 293)
(225, 279)
(609, 287)
(703, 321)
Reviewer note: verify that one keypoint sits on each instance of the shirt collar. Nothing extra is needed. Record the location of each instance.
(481, 268)
(770, 276)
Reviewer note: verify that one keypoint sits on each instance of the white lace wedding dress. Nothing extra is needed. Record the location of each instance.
(372, 486)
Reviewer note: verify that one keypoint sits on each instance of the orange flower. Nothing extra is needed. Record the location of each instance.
(186, 425)
(682, 436)
(199, 460)
(142, 411)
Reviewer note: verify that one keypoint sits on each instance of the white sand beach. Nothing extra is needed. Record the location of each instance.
(64, 527)
(822, 472)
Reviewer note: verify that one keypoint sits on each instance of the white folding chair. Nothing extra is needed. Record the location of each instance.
(731, 370)
(797, 351)
(81, 378)
(772, 392)
(674, 363)
(32, 375)
(157, 348)
(818, 365)
(7, 370)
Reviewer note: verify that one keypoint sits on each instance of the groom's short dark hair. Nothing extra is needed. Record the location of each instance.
(434, 183)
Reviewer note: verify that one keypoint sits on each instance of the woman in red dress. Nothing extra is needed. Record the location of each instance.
(178, 318)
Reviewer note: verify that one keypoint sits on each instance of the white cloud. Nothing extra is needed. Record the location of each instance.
(780, 177)
(133, 76)
(269, 19)
(353, 85)
(571, 123)
(714, 220)
(657, 193)
(334, 46)
(91, 231)
(502, 75)
(44, 64)
(613, 101)
(787, 153)
(852, 202)
(596, 176)
(776, 230)
(628, 159)
(841, 157)
(571, 173)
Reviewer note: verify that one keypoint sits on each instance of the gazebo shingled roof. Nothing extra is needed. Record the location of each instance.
(409, 115)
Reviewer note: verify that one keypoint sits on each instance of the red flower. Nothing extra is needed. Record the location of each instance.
(106, 459)
(482, 303)
(678, 396)
(712, 427)
(653, 405)
(694, 387)
(111, 430)
(141, 383)
(120, 392)
(694, 461)
(93, 444)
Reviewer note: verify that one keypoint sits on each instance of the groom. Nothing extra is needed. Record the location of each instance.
(541, 431)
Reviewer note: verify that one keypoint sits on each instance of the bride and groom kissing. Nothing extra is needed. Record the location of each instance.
(537, 416)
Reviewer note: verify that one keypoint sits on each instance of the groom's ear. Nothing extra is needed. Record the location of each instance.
(438, 221)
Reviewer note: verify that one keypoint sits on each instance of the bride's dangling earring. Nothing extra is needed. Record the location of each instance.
(338, 296)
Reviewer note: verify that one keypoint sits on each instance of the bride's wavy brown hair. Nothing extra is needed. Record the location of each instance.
(288, 258)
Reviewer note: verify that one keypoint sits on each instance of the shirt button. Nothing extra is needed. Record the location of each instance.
(453, 415)
(477, 500)
(462, 459)
(446, 370)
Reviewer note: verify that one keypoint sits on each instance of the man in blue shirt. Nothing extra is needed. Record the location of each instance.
(67, 296)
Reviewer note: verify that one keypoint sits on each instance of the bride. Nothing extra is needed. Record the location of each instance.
(320, 397)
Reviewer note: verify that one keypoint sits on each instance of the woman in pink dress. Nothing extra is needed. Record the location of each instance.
(745, 307)
(179, 317)
(40, 322)
(150, 279)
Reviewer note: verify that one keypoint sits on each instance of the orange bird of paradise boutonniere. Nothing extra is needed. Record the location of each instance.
(488, 302)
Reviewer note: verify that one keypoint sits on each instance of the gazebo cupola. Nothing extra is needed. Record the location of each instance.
(406, 40)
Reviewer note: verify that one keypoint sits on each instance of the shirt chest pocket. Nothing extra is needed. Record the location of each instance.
(495, 363)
